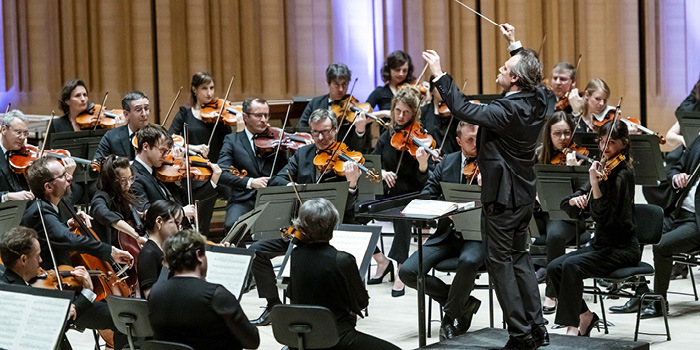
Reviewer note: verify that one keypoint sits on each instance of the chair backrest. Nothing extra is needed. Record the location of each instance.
(130, 310)
(316, 324)
(164, 345)
(650, 222)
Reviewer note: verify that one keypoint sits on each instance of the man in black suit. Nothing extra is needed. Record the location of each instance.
(14, 133)
(324, 128)
(118, 141)
(508, 133)
(239, 151)
(447, 243)
(21, 253)
(154, 144)
(338, 77)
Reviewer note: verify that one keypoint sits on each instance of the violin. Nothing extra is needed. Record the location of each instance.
(268, 141)
(609, 166)
(49, 280)
(106, 119)
(608, 117)
(174, 169)
(348, 108)
(633, 121)
(295, 234)
(443, 110)
(413, 137)
(335, 156)
(471, 171)
(563, 103)
(22, 158)
(210, 112)
(581, 153)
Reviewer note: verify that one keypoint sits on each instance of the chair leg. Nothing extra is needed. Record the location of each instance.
(490, 302)
(639, 315)
(97, 339)
(665, 312)
(602, 310)
(300, 341)
(692, 281)
(430, 316)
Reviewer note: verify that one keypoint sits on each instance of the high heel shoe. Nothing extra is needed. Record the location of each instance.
(389, 270)
(594, 323)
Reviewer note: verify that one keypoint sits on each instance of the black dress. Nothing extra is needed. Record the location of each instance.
(61, 124)
(149, 264)
(381, 96)
(102, 209)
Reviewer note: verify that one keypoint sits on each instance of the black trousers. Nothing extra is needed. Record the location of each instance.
(235, 210)
(559, 233)
(356, 340)
(505, 237)
(681, 236)
(98, 317)
(566, 274)
(451, 297)
(262, 269)
(402, 241)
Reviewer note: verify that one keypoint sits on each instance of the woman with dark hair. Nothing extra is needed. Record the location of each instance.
(397, 69)
(163, 219)
(557, 134)
(615, 244)
(189, 310)
(73, 101)
(112, 206)
(321, 275)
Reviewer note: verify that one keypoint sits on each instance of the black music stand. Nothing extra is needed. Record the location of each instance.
(647, 160)
(367, 190)
(690, 125)
(556, 182)
(468, 224)
(11, 214)
(589, 140)
(283, 202)
(244, 225)
(389, 210)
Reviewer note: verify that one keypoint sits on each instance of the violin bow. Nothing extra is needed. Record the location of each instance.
(99, 112)
(185, 132)
(223, 106)
(8, 108)
(171, 107)
(40, 207)
(444, 137)
(347, 104)
(294, 186)
(279, 142)
(46, 134)
(544, 39)
(472, 10)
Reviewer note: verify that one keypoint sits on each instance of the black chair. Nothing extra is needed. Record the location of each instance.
(304, 326)
(691, 259)
(649, 221)
(164, 345)
(130, 316)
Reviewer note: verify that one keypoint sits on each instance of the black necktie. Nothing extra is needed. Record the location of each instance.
(130, 146)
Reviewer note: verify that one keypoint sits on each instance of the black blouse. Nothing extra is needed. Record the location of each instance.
(437, 126)
(102, 210)
(149, 264)
(409, 178)
(61, 124)
(381, 96)
(200, 132)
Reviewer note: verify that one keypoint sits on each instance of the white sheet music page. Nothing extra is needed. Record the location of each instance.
(31, 322)
(228, 270)
(434, 207)
(355, 243)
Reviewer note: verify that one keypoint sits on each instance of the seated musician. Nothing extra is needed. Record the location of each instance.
(592, 105)
(564, 83)
(163, 219)
(445, 243)
(73, 101)
(21, 254)
(323, 276)
(113, 205)
(439, 122)
(397, 70)
(118, 141)
(186, 309)
(302, 171)
(154, 144)
(338, 77)
(14, 131)
(240, 152)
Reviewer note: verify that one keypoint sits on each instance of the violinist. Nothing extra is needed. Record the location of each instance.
(240, 152)
(614, 246)
(302, 170)
(397, 70)
(163, 219)
(14, 133)
(557, 143)
(73, 101)
(338, 77)
(446, 243)
(117, 141)
(593, 106)
(154, 144)
(402, 173)
(21, 253)
(563, 81)
(438, 121)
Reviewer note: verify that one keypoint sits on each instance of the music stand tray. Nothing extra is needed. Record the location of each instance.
(244, 225)
(469, 223)
(556, 182)
(690, 125)
(11, 214)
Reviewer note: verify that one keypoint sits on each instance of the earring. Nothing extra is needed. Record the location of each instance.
(159, 227)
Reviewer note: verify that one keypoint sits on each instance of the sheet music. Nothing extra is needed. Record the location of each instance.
(228, 270)
(355, 243)
(30, 321)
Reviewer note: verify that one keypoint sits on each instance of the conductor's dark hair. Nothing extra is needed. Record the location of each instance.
(528, 70)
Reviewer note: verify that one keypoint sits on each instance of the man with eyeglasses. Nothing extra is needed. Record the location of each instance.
(301, 169)
(154, 144)
(118, 141)
(14, 133)
(239, 151)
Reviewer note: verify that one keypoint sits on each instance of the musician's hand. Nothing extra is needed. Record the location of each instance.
(594, 171)
(433, 60)
(84, 217)
(478, 179)
(225, 244)
(19, 196)
(352, 173)
(122, 257)
(422, 157)
(259, 182)
(577, 102)
(141, 241)
(189, 211)
(120, 120)
(571, 159)
(81, 274)
(633, 129)
(201, 149)
(69, 164)
(680, 180)
(72, 313)
(361, 123)
(216, 172)
(578, 202)
(389, 177)
(508, 32)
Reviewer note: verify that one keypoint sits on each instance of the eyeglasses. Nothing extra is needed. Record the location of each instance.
(325, 133)
(19, 133)
(64, 175)
(163, 150)
(558, 134)
(259, 115)
(127, 180)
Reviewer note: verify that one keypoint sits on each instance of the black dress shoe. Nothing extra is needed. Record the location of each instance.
(548, 310)
(398, 293)
(541, 275)
(679, 271)
(630, 306)
(264, 319)
(653, 310)
(594, 323)
(520, 343)
(540, 335)
(465, 321)
(389, 270)
(447, 331)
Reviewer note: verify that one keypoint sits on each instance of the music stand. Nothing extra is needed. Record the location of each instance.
(11, 214)
(556, 182)
(243, 225)
(469, 223)
(367, 190)
(589, 140)
(690, 125)
(647, 160)
(283, 202)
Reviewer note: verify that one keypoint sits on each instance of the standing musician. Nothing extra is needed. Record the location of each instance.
(240, 152)
(189, 310)
(302, 170)
(447, 243)
(118, 141)
(154, 144)
(338, 77)
(508, 133)
(201, 94)
(397, 70)
(14, 133)
(21, 254)
(321, 275)
(615, 243)
(438, 121)
(163, 219)
(402, 173)
(113, 205)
